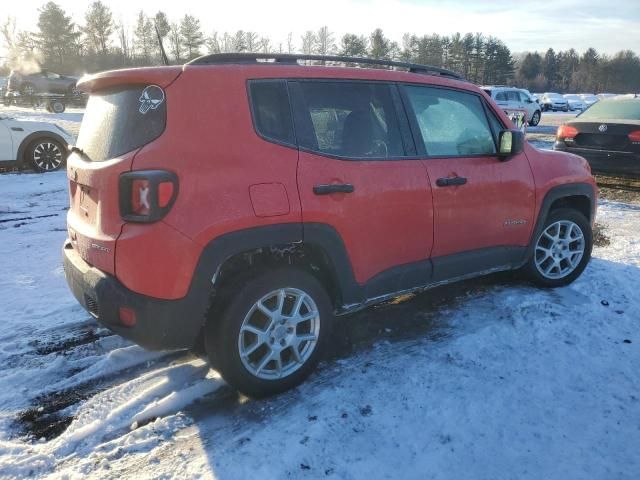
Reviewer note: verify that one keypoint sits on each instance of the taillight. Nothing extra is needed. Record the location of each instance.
(566, 132)
(147, 195)
(635, 136)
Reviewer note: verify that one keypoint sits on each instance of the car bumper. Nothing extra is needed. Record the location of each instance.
(160, 324)
(605, 161)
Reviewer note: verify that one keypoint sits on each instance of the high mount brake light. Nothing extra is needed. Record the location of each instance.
(147, 195)
(566, 131)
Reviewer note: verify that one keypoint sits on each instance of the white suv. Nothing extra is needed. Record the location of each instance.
(38, 145)
(512, 98)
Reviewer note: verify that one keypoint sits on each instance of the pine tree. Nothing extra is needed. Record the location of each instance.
(192, 37)
(144, 38)
(380, 46)
(98, 27)
(353, 45)
(56, 37)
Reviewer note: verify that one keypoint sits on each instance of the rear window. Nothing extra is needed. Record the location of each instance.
(613, 109)
(271, 110)
(347, 119)
(121, 119)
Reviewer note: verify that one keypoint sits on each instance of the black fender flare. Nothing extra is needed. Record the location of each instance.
(557, 193)
(323, 236)
(29, 139)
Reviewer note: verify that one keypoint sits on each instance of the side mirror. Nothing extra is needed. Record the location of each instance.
(511, 142)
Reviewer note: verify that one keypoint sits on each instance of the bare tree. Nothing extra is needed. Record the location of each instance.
(309, 41)
(252, 41)
(325, 43)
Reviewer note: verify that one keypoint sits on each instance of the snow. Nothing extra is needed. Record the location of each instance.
(498, 380)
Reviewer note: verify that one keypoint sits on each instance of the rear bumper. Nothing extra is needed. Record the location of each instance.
(605, 161)
(160, 324)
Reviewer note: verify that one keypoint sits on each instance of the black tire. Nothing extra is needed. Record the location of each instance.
(561, 214)
(49, 164)
(535, 118)
(222, 335)
(56, 106)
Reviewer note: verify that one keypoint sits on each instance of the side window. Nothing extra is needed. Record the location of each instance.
(501, 96)
(347, 119)
(513, 96)
(495, 123)
(452, 123)
(271, 111)
(524, 97)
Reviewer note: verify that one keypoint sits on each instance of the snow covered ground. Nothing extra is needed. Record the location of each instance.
(488, 379)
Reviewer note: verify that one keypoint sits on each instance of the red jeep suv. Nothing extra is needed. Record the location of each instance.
(243, 201)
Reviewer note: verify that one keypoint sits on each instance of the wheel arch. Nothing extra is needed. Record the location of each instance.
(579, 196)
(315, 248)
(32, 137)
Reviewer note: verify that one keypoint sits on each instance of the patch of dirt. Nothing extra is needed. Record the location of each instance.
(600, 237)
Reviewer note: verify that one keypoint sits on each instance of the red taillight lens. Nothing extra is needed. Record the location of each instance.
(147, 195)
(165, 194)
(140, 191)
(635, 136)
(566, 131)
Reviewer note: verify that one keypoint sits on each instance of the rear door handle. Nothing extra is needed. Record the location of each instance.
(333, 188)
(450, 182)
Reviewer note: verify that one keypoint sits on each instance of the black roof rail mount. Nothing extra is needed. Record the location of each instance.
(293, 59)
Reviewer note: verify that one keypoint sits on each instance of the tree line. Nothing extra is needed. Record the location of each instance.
(102, 42)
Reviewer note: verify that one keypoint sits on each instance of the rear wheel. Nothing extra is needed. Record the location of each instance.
(562, 250)
(56, 106)
(272, 332)
(45, 155)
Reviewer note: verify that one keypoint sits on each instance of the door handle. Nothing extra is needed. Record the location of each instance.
(333, 188)
(450, 182)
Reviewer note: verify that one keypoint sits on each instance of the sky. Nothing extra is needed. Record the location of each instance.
(522, 25)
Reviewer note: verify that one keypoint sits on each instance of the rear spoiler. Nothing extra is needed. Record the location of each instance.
(161, 76)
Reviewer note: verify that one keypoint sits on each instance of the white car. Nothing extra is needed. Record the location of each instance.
(575, 102)
(588, 98)
(38, 145)
(511, 98)
(554, 101)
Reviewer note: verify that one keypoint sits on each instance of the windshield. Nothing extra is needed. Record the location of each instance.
(554, 95)
(613, 109)
(119, 120)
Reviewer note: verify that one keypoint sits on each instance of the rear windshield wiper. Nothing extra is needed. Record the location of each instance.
(79, 151)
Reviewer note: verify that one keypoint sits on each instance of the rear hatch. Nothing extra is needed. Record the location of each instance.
(126, 110)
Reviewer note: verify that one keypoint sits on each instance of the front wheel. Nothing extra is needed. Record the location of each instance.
(272, 332)
(562, 250)
(535, 119)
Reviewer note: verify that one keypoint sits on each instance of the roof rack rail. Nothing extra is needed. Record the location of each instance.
(293, 59)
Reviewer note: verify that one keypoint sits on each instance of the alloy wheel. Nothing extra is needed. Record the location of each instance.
(279, 334)
(47, 156)
(559, 249)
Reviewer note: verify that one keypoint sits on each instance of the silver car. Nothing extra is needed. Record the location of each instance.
(554, 101)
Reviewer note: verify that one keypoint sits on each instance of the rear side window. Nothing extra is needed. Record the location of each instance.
(119, 120)
(347, 119)
(513, 96)
(271, 111)
(452, 123)
(501, 96)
